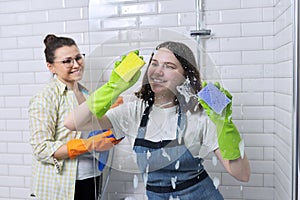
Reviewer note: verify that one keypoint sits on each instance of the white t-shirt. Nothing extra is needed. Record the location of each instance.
(87, 163)
(200, 135)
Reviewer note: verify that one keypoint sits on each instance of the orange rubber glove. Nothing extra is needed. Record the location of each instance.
(118, 102)
(100, 142)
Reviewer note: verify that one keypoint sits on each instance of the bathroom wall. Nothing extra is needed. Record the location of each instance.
(256, 43)
(283, 95)
(23, 26)
(251, 50)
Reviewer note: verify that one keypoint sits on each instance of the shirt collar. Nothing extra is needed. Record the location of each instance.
(62, 87)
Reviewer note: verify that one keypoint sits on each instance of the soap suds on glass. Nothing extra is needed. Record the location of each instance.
(173, 182)
(135, 181)
(165, 154)
(185, 90)
(177, 164)
(216, 182)
(214, 161)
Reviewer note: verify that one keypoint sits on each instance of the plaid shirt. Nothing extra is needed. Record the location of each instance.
(52, 179)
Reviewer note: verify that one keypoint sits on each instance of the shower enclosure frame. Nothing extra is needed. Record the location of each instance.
(296, 138)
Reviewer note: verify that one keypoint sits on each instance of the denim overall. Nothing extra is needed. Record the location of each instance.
(169, 168)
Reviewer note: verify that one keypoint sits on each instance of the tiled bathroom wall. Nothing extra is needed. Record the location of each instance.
(250, 52)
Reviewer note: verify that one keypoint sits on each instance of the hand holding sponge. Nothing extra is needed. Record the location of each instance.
(125, 74)
(100, 142)
(219, 111)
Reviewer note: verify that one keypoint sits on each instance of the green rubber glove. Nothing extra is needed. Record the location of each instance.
(101, 100)
(228, 136)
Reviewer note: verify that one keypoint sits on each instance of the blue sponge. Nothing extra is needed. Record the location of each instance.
(216, 99)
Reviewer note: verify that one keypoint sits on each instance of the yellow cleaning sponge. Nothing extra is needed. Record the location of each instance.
(129, 66)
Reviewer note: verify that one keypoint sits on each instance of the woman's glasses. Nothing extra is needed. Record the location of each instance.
(69, 62)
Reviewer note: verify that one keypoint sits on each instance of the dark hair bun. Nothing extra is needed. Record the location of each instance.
(49, 39)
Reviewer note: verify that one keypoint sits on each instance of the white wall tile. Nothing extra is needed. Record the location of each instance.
(19, 148)
(9, 113)
(30, 89)
(257, 57)
(14, 6)
(222, 5)
(265, 140)
(31, 66)
(101, 10)
(77, 26)
(65, 14)
(268, 13)
(17, 54)
(284, 85)
(72, 3)
(12, 78)
(241, 15)
(11, 136)
(16, 30)
(3, 148)
(254, 153)
(181, 6)
(266, 193)
(8, 43)
(22, 124)
(256, 3)
(51, 27)
(164, 20)
(243, 43)
(258, 85)
(119, 23)
(283, 117)
(269, 98)
(283, 133)
(238, 71)
(281, 179)
(9, 66)
(4, 192)
(243, 99)
(2, 125)
(269, 70)
(20, 193)
(268, 42)
(20, 170)
(257, 29)
(283, 69)
(232, 192)
(283, 53)
(48, 5)
(249, 126)
(10, 159)
(226, 58)
(212, 17)
(284, 102)
(32, 17)
(269, 180)
(29, 41)
(9, 90)
(283, 16)
(3, 170)
(186, 19)
(42, 77)
(136, 9)
(8, 19)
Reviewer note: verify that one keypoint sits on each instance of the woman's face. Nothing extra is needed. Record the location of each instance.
(68, 65)
(165, 73)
